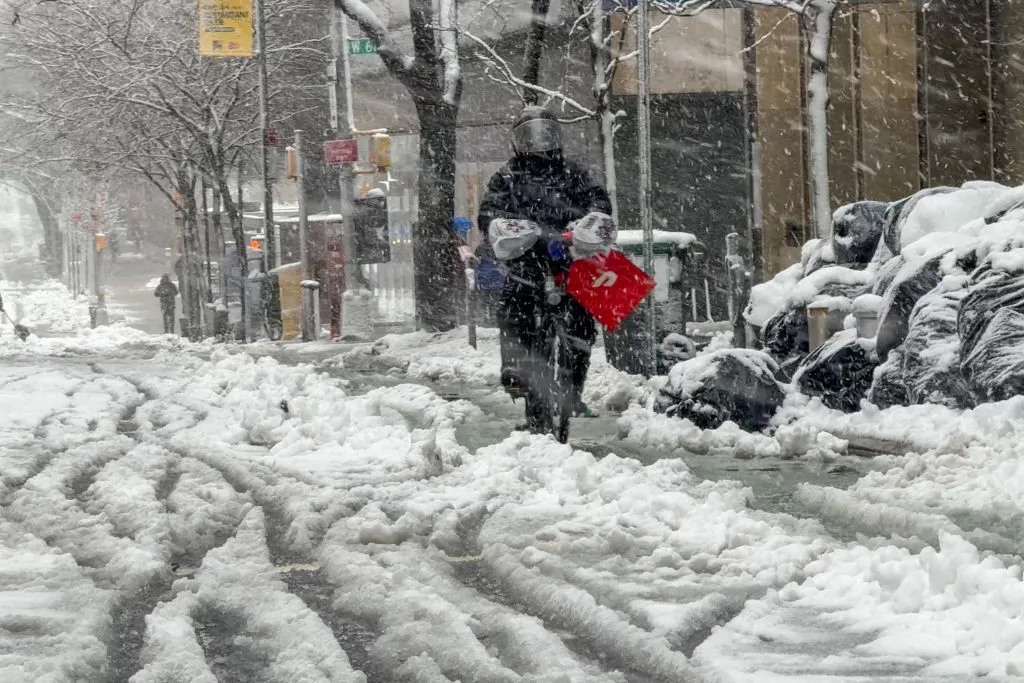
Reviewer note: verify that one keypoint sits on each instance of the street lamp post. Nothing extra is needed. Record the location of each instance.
(269, 243)
(643, 102)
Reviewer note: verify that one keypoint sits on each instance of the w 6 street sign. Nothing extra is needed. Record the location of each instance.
(361, 46)
(341, 151)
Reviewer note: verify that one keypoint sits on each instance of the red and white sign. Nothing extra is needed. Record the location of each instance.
(341, 151)
(609, 286)
(76, 217)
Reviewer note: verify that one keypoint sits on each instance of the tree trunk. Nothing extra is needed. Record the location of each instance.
(602, 109)
(535, 48)
(821, 15)
(191, 298)
(439, 282)
(51, 229)
(238, 235)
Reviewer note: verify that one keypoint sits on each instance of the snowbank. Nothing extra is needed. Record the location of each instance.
(448, 357)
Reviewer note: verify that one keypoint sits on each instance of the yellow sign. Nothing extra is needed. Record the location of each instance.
(225, 28)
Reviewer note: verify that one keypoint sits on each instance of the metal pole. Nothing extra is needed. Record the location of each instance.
(101, 296)
(308, 333)
(343, 122)
(269, 243)
(643, 103)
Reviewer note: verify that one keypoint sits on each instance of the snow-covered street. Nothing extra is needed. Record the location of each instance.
(177, 512)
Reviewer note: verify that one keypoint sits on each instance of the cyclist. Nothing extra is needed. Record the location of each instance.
(528, 205)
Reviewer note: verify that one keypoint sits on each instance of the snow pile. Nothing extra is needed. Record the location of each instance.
(731, 385)
(947, 612)
(100, 341)
(45, 305)
(238, 581)
(602, 548)
(53, 617)
(447, 357)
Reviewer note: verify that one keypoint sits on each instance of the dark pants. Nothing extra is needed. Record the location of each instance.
(525, 346)
(168, 312)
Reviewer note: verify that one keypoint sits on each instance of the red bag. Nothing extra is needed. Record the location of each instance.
(609, 286)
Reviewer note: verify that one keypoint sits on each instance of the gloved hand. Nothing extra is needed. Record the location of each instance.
(558, 251)
(595, 230)
(511, 238)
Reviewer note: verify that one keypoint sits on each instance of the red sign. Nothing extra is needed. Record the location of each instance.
(76, 217)
(609, 286)
(270, 138)
(341, 151)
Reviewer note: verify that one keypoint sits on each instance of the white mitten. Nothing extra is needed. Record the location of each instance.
(512, 237)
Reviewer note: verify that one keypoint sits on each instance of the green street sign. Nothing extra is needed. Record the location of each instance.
(361, 46)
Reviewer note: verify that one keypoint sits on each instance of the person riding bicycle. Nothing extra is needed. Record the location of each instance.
(528, 206)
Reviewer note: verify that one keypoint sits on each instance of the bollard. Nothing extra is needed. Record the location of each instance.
(867, 324)
(817, 326)
(310, 310)
(866, 310)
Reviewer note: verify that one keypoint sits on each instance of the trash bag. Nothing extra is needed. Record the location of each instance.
(994, 367)
(856, 232)
(910, 283)
(991, 328)
(896, 216)
(786, 337)
(675, 348)
(815, 255)
(785, 334)
(840, 371)
(930, 354)
(731, 385)
(887, 386)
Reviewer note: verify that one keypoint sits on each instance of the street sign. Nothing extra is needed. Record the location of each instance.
(270, 137)
(75, 217)
(341, 151)
(361, 46)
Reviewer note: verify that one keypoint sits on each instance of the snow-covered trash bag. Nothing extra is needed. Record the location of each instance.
(768, 298)
(931, 352)
(815, 255)
(787, 338)
(915, 278)
(675, 348)
(941, 209)
(730, 385)
(840, 371)
(991, 327)
(926, 367)
(785, 335)
(856, 232)
(898, 213)
(887, 386)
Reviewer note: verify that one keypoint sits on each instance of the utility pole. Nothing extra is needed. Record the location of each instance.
(309, 288)
(269, 242)
(643, 103)
(343, 122)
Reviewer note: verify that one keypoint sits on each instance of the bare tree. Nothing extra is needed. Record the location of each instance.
(433, 78)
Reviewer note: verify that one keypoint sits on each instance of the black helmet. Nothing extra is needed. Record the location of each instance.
(536, 131)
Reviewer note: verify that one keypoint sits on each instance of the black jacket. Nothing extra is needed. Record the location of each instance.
(549, 192)
(166, 291)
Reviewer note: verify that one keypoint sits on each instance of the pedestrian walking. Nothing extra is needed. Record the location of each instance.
(166, 292)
